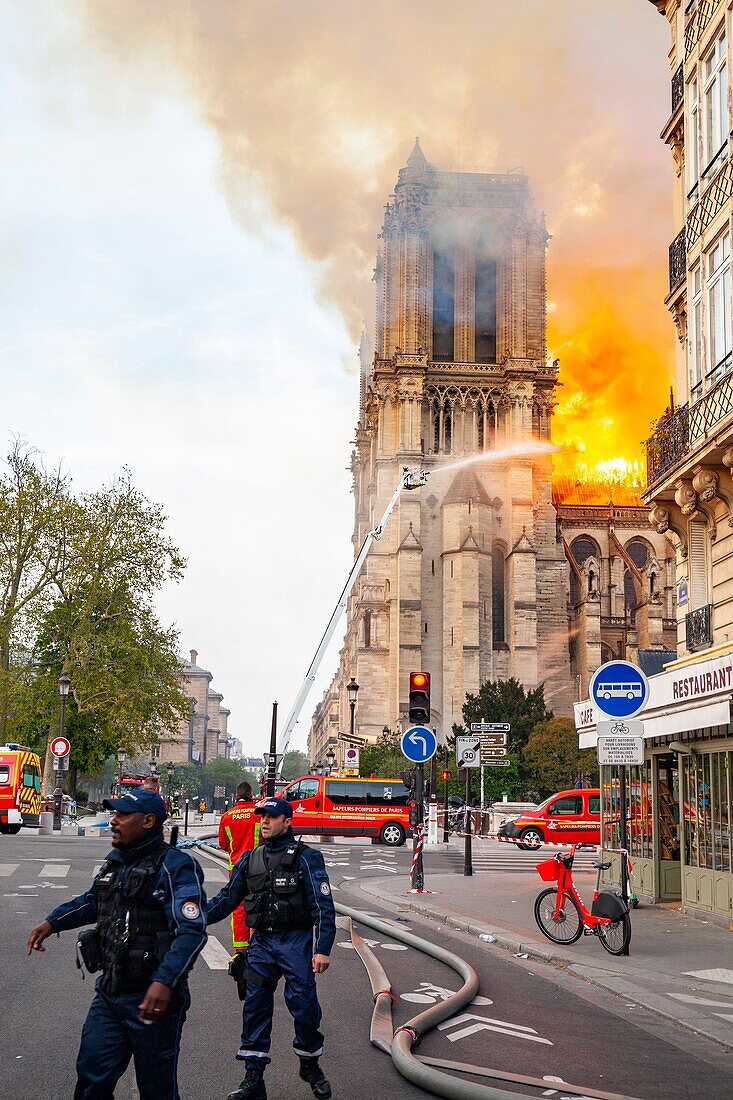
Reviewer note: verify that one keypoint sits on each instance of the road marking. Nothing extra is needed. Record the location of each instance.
(698, 1000)
(215, 955)
(719, 974)
(382, 870)
(54, 870)
(213, 874)
(724, 1015)
(485, 1023)
(7, 869)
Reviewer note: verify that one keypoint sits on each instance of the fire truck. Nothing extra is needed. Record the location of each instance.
(20, 788)
(128, 783)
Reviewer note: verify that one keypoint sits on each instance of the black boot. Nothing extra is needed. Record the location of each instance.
(311, 1072)
(253, 1086)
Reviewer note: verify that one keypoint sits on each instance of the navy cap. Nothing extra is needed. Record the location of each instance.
(275, 807)
(139, 802)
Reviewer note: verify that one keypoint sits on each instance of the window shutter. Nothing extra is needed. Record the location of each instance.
(698, 565)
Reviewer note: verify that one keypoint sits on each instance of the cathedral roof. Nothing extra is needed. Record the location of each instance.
(466, 486)
(417, 157)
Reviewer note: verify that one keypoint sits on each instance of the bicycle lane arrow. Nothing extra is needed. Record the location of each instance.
(486, 1023)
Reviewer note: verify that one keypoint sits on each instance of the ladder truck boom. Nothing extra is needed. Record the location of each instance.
(411, 479)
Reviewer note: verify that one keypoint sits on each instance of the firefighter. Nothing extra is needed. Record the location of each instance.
(239, 832)
(149, 908)
(288, 904)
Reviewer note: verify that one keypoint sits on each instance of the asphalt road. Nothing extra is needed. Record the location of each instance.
(524, 1021)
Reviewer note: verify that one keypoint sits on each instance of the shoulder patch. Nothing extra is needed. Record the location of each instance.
(190, 910)
(325, 889)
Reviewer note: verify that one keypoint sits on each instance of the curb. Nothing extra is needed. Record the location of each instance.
(650, 1003)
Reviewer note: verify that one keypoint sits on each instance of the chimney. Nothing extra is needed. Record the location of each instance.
(194, 656)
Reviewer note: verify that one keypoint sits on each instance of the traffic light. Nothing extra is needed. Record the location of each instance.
(419, 705)
(445, 776)
(412, 807)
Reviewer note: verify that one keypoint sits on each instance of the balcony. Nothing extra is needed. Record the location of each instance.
(715, 405)
(668, 443)
(698, 14)
(699, 628)
(677, 261)
(678, 88)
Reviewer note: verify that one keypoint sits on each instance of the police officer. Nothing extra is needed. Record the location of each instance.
(288, 904)
(150, 912)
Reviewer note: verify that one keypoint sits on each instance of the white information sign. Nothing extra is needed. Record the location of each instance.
(468, 752)
(621, 742)
(351, 758)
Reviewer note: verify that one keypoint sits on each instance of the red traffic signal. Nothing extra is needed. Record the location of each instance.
(419, 702)
(445, 776)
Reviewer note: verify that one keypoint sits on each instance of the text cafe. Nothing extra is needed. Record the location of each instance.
(680, 800)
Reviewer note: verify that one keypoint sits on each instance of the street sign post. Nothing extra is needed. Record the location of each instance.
(468, 752)
(60, 746)
(351, 760)
(352, 739)
(491, 727)
(419, 744)
(61, 763)
(488, 753)
(497, 763)
(619, 689)
(621, 742)
(492, 739)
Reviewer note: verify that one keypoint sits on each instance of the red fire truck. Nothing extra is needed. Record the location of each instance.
(20, 788)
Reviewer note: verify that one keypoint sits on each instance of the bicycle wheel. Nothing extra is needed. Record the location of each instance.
(568, 928)
(616, 936)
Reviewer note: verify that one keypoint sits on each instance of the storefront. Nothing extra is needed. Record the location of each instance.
(679, 802)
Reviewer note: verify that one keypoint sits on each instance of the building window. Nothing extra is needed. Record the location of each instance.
(692, 154)
(498, 595)
(451, 568)
(581, 549)
(696, 367)
(638, 551)
(717, 262)
(715, 77)
(485, 309)
(451, 635)
(698, 565)
(367, 629)
(444, 294)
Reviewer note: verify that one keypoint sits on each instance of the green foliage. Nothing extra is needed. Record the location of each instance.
(79, 575)
(222, 772)
(553, 760)
(295, 763)
(384, 758)
(186, 781)
(505, 701)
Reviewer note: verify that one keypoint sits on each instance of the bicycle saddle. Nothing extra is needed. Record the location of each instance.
(602, 866)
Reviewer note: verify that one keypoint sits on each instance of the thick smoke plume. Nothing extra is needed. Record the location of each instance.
(316, 104)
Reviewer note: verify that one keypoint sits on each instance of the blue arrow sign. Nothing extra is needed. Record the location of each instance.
(619, 689)
(419, 744)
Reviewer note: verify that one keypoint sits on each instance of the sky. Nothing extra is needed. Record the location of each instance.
(191, 196)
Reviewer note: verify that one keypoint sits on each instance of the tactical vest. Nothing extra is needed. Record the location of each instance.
(276, 900)
(132, 923)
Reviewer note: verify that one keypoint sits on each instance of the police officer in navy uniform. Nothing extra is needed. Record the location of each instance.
(149, 911)
(288, 903)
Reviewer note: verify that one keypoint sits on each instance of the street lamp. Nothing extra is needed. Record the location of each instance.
(331, 758)
(352, 690)
(170, 768)
(318, 770)
(121, 758)
(385, 730)
(58, 796)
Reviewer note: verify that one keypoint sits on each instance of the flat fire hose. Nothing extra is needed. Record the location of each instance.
(421, 1071)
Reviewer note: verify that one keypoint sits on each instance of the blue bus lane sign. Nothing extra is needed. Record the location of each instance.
(619, 689)
(419, 744)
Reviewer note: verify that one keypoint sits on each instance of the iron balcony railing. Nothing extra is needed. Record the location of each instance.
(699, 628)
(716, 403)
(667, 444)
(678, 88)
(677, 261)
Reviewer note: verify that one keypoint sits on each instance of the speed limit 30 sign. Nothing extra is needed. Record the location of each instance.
(468, 752)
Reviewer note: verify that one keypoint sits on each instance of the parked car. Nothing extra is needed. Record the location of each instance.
(573, 817)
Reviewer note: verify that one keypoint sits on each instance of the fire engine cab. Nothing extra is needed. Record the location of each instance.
(20, 788)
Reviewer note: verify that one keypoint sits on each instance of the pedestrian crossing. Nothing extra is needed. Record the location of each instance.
(513, 861)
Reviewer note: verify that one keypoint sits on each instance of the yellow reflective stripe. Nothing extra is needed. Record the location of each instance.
(257, 833)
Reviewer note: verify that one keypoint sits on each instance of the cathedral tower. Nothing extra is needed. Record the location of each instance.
(469, 580)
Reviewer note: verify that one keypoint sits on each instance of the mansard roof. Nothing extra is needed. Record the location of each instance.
(466, 486)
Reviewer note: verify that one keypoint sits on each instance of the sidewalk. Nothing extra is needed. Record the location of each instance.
(678, 967)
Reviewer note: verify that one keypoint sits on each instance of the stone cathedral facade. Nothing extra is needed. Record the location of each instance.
(468, 581)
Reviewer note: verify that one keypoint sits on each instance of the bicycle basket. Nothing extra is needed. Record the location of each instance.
(548, 870)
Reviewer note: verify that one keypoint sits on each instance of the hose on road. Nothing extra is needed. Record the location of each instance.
(426, 1072)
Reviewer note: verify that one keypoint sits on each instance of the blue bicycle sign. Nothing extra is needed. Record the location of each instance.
(619, 689)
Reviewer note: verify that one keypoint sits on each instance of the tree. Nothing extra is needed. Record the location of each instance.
(187, 780)
(505, 701)
(295, 764)
(226, 773)
(552, 757)
(384, 758)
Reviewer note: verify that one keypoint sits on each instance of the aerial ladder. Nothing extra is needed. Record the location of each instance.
(410, 479)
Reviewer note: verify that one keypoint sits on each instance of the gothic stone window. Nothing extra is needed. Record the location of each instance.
(581, 548)
(498, 596)
(485, 309)
(638, 551)
(444, 295)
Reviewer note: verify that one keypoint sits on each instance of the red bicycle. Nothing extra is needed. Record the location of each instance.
(562, 916)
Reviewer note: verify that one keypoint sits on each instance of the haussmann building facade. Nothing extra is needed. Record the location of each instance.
(680, 799)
